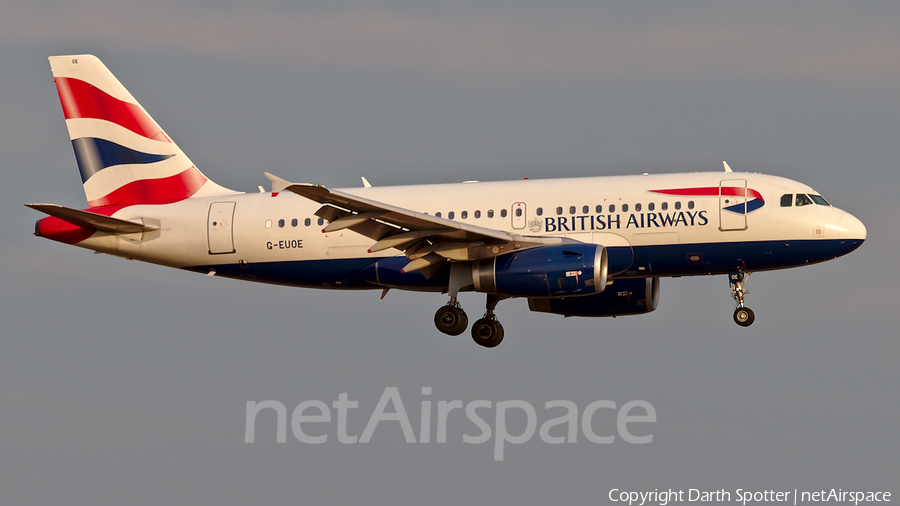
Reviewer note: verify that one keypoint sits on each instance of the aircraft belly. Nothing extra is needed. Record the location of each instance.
(334, 273)
(721, 258)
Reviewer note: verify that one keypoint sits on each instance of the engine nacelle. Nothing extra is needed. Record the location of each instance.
(546, 271)
(622, 297)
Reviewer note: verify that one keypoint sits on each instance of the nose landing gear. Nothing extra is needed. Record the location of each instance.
(743, 316)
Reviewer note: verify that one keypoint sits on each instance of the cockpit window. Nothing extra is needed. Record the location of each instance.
(818, 199)
(786, 200)
(802, 200)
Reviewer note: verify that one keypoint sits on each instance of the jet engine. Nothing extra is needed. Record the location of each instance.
(622, 297)
(546, 271)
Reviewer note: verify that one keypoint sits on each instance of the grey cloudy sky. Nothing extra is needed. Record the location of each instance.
(126, 383)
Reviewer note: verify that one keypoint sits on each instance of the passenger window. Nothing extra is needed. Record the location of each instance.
(677, 206)
(307, 222)
(464, 214)
(624, 208)
(451, 215)
(599, 209)
(540, 211)
(519, 212)
(612, 208)
(503, 213)
(571, 209)
(477, 214)
(321, 222)
(802, 200)
(559, 210)
(664, 206)
(786, 200)
(651, 206)
(585, 210)
(637, 208)
(690, 204)
(294, 222)
(437, 214)
(280, 223)
(490, 213)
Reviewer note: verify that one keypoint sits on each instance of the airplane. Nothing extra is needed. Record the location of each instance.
(589, 246)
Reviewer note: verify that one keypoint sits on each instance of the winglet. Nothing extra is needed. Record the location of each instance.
(366, 183)
(278, 184)
(727, 168)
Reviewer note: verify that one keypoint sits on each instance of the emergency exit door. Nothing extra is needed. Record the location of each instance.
(518, 215)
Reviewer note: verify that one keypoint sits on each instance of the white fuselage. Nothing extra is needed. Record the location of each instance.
(283, 229)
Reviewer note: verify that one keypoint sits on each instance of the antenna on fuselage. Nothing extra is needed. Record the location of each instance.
(727, 168)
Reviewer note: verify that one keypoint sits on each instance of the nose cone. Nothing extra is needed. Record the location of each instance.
(851, 228)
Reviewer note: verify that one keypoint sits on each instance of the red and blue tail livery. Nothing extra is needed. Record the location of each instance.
(589, 247)
(124, 157)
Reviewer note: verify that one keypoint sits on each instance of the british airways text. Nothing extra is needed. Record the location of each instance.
(617, 221)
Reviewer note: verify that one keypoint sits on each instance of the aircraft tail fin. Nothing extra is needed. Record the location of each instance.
(124, 157)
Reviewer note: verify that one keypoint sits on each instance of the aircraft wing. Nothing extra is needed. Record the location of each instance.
(427, 240)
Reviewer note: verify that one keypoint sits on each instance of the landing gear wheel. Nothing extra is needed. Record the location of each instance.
(451, 320)
(487, 332)
(744, 316)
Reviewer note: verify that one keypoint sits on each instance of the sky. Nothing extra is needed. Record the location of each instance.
(123, 382)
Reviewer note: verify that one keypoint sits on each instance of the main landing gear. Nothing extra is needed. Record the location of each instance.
(486, 331)
(451, 319)
(743, 316)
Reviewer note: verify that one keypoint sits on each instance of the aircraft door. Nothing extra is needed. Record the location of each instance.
(219, 228)
(518, 215)
(733, 204)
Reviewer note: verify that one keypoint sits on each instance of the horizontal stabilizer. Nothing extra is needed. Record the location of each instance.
(89, 220)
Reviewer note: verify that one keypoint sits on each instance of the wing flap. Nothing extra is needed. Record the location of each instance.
(350, 220)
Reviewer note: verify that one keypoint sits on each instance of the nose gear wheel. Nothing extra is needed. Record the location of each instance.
(743, 316)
